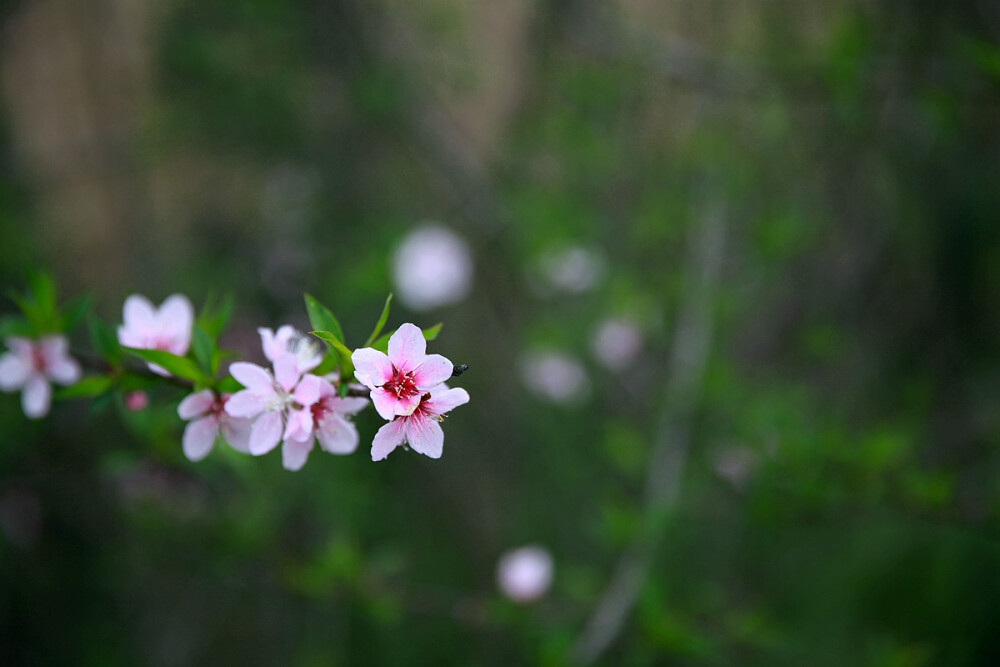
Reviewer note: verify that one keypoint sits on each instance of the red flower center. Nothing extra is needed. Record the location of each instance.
(401, 384)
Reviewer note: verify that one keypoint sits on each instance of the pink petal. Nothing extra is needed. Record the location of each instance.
(307, 392)
(139, 318)
(300, 425)
(245, 404)
(446, 401)
(388, 405)
(253, 377)
(371, 367)
(337, 435)
(195, 405)
(326, 389)
(425, 436)
(346, 406)
(36, 397)
(435, 370)
(265, 433)
(14, 371)
(407, 348)
(286, 371)
(236, 432)
(199, 436)
(294, 454)
(387, 439)
(272, 347)
(21, 347)
(59, 366)
(175, 319)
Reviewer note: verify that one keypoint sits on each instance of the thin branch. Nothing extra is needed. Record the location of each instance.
(689, 354)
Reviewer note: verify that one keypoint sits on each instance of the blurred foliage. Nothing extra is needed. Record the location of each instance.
(840, 497)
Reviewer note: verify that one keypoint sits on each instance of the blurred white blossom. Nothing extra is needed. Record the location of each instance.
(615, 343)
(573, 269)
(432, 268)
(525, 574)
(556, 376)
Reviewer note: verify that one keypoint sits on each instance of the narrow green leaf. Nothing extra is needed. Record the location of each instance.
(203, 348)
(431, 333)
(229, 385)
(180, 367)
(88, 387)
(75, 313)
(14, 325)
(341, 350)
(104, 340)
(381, 322)
(43, 293)
(322, 319)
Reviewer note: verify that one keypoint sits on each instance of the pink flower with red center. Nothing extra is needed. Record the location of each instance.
(399, 379)
(421, 429)
(280, 405)
(31, 364)
(208, 419)
(336, 434)
(166, 328)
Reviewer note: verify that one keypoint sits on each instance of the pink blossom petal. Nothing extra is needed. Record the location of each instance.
(21, 347)
(199, 436)
(371, 367)
(425, 436)
(36, 397)
(387, 439)
(388, 405)
(307, 392)
(14, 371)
(246, 404)
(286, 371)
(139, 317)
(59, 366)
(236, 432)
(253, 377)
(195, 405)
(275, 344)
(337, 435)
(265, 433)
(300, 425)
(407, 348)
(446, 401)
(346, 406)
(175, 320)
(294, 454)
(435, 370)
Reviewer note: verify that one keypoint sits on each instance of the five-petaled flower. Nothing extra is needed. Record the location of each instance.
(205, 412)
(420, 429)
(165, 328)
(29, 365)
(399, 380)
(280, 405)
(336, 434)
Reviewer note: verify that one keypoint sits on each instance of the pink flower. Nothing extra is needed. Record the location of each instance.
(336, 434)
(307, 351)
(280, 404)
(136, 400)
(167, 328)
(420, 428)
(398, 381)
(208, 419)
(524, 575)
(31, 364)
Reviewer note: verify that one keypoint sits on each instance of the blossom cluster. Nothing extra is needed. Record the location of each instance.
(304, 394)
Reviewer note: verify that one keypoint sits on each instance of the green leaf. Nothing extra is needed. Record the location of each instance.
(75, 313)
(229, 385)
(104, 340)
(43, 293)
(381, 322)
(14, 325)
(88, 387)
(203, 348)
(430, 333)
(341, 350)
(322, 319)
(180, 367)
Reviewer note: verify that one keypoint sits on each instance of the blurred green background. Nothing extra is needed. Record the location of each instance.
(731, 325)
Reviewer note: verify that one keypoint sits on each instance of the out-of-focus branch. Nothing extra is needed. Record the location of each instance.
(688, 356)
